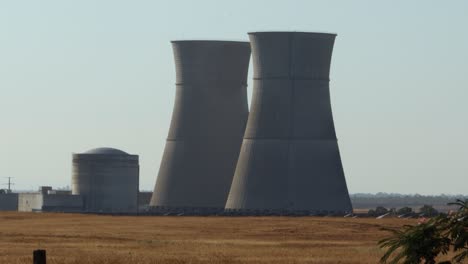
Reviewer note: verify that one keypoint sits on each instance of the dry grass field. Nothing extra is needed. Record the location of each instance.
(77, 239)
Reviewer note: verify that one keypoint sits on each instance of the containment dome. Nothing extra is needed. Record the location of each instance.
(108, 180)
(106, 151)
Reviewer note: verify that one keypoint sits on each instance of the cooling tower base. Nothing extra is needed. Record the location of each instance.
(204, 211)
(294, 175)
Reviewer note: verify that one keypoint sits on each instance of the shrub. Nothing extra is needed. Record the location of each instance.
(432, 237)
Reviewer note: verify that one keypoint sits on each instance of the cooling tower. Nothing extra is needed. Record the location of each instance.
(289, 158)
(208, 123)
(107, 179)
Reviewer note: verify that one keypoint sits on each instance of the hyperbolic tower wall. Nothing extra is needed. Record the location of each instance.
(207, 126)
(289, 158)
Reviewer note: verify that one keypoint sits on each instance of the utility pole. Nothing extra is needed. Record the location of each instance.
(9, 184)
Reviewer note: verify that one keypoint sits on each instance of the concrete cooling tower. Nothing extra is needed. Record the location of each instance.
(208, 123)
(289, 158)
(107, 179)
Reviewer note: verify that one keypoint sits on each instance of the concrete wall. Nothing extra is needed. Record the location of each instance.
(62, 203)
(208, 122)
(289, 158)
(28, 202)
(9, 202)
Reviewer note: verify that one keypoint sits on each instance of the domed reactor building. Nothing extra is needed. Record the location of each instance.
(289, 159)
(108, 180)
(208, 122)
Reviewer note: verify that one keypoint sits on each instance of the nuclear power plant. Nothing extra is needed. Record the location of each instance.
(107, 179)
(289, 158)
(282, 157)
(208, 123)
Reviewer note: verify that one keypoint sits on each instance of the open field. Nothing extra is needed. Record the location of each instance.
(72, 238)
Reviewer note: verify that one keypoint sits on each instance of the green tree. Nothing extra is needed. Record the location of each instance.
(415, 244)
(457, 226)
(424, 242)
(428, 211)
(380, 210)
(405, 210)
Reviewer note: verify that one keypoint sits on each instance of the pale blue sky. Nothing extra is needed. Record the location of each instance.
(75, 75)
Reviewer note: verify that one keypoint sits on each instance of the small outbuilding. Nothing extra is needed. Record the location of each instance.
(8, 201)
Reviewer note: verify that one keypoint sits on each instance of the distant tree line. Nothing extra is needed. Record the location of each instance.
(425, 210)
(394, 200)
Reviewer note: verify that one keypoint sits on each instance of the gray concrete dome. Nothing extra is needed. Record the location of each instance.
(106, 151)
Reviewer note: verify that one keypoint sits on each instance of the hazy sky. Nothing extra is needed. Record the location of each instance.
(75, 75)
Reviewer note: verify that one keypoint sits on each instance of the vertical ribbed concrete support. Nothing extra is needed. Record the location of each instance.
(289, 158)
(208, 122)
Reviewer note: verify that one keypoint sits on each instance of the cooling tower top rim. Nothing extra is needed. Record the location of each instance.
(208, 41)
(331, 34)
(106, 151)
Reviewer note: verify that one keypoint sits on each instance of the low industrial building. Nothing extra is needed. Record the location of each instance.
(48, 200)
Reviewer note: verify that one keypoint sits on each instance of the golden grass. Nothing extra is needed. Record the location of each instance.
(77, 239)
